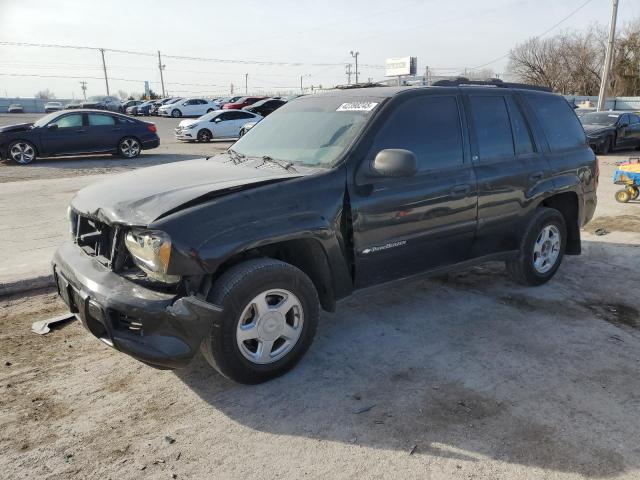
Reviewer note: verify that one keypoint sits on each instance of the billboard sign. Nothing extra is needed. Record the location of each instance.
(401, 66)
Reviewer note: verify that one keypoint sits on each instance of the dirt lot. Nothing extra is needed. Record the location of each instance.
(468, 376)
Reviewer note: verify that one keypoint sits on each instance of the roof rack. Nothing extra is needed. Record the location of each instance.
(359, 85)
(491, 82)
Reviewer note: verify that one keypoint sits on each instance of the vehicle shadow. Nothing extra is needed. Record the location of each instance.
(466, 368)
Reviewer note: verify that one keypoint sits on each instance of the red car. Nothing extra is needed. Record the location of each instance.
(241, 103)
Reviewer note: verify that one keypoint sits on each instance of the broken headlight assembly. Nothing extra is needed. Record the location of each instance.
(151, 251)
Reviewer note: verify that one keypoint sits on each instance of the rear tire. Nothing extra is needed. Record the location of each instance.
(129, 147)
(541, 249)
(253, 295)
(22, 152)
(634, 192)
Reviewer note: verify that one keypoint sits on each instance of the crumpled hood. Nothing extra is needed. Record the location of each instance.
(142, 196)
(19, 127)
(593, 128)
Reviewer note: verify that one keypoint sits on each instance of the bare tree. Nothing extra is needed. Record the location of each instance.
(571, 63)
(123, 95)
(45, 94)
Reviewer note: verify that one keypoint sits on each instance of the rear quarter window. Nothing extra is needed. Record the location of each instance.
(558, 121)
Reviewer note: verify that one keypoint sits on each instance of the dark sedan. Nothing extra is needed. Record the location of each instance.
(265, 107)
(77, 132)
(607, 131)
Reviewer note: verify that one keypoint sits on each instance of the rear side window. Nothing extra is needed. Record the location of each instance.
(492, 127)
(428, 126)
(559, 123)
(95, 119)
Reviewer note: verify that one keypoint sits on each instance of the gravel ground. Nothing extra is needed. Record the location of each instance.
(466, 376)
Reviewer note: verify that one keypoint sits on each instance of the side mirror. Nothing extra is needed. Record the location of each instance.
(395, 162)
(52, 126)
(217, 120)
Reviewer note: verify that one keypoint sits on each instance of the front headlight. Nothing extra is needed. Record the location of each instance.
(193, 125)
(151, 251)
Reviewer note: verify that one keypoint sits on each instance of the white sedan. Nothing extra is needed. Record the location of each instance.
(217, 124)
(188, 107)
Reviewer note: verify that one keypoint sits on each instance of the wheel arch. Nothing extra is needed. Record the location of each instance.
(306, 254)
(568, 205)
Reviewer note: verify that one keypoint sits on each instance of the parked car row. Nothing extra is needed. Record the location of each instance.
(235, 118)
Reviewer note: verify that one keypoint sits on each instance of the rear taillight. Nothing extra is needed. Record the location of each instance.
(152, 128)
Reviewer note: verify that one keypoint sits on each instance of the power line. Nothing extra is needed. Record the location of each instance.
(179, 57)
(110, 78)
(553, 27)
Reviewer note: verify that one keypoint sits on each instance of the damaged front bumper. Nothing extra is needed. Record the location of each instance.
(157, 328)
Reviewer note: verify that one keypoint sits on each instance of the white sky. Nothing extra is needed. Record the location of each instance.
(446, 35)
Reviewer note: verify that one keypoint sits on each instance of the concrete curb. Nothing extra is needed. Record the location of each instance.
(26, 285)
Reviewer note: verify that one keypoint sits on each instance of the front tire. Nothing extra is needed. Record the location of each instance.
(623, 195)
(129, 147)
(205, 135)
(606, 147)
(21, 152)
(175, 113)
(541, 249)
(270, 317)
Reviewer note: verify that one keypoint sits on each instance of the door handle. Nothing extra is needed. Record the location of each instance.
(460, 189)
(536, 176)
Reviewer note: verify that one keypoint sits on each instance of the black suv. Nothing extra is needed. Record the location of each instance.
(334, 193)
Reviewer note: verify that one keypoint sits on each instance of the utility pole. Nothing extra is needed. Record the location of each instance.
(301, 77)
(426, 75)
(355, 55)
(246, 84)
(232, 89)
(83, 87)
(161, 67)
(104, 67)
(348, 72)
(608, 58)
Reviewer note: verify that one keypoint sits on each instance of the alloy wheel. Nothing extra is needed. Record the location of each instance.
(270, 326)
(546, 249)
(22, 153)
(130, 147)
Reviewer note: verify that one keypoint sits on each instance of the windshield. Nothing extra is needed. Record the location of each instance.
(46, 119)
(599, 118)
(314, 131)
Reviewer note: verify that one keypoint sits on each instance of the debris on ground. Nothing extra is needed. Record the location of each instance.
(413, 449)
(601, 231)
(42, 327)
(364, 409)
(169, 440)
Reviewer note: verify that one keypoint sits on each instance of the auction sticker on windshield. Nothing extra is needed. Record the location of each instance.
(356, 107)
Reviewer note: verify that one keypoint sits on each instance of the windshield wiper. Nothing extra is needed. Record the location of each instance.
(288, 166)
